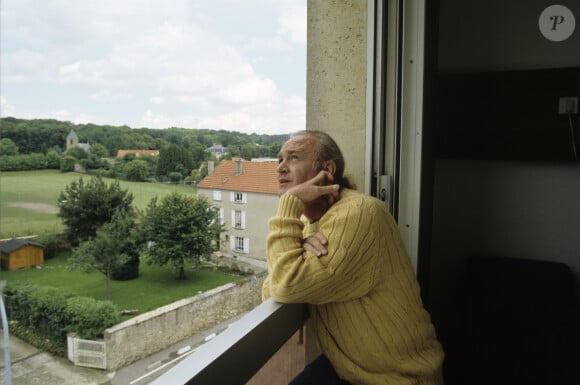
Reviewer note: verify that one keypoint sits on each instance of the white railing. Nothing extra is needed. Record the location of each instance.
(237, 353)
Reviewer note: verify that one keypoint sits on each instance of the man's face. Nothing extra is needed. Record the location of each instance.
(296, 161)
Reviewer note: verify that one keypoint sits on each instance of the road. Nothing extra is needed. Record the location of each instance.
(29, 366)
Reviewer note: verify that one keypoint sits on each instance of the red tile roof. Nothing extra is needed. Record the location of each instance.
(122, 153)
(255, 177)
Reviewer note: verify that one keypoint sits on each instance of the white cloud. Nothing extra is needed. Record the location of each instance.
(157, 100)
(293, 23)
(6, 109)
(170, 59)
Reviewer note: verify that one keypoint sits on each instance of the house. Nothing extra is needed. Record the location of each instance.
(457, 114)
(20, 253)
(137, 153)
(72, 140)
(217, 150)
(247, 196)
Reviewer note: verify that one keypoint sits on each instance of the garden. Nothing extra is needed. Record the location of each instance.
(29, 203)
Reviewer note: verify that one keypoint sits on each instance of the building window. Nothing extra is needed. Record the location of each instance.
(240, 244)
(238, 197)
(238, 219)
(217, 195)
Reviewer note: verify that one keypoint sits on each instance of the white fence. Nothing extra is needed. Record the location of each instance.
(89, 353)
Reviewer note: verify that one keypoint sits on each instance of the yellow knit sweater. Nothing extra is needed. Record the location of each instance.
(364, 298)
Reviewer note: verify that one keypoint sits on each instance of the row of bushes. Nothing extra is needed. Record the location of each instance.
(44, 315)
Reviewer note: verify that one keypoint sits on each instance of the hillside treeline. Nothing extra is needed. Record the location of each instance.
(40, 135)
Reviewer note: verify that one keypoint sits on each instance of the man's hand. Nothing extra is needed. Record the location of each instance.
(317, 187)
(316, 244)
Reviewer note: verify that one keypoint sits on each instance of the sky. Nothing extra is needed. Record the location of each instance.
(236, 65)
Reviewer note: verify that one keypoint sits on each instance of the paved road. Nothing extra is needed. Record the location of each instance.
(29, 366)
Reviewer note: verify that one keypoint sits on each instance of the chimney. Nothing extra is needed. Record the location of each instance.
(210, 167)
(239, 167)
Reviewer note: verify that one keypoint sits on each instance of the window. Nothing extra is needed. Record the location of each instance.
(238, 197)
(217, 195)
(240, 244)
(238, 219)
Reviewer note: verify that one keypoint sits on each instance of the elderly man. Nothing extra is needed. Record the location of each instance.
(340, 251)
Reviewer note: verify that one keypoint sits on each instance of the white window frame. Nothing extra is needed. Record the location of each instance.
(240, 244)
(217, 195)
(238, 197)
(238, 219)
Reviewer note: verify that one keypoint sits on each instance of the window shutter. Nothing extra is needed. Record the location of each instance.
(233, 223)
(244, 198)
(246, 245)
(232, 196)
(243, 219)
(233, 243)
(221, 215)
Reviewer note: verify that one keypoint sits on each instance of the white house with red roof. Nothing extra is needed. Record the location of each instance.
(246, 193)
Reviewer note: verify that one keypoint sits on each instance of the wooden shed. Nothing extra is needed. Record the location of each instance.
(20, 253)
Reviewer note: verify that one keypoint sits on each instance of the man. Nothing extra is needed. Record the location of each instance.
(340, 251)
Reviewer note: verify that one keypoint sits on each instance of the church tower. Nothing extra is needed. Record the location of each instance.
(72, 140)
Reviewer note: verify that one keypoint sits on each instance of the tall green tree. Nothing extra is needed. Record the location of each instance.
(136, 170)
(99, 150)
(174, 158)
(180, 229)
(8, 147)
(110, 250)
(86, 206)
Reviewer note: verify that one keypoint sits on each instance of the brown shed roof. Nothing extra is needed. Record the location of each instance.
(254, 177)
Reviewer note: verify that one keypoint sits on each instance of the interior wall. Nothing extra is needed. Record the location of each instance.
(505, 182)
(489, 35)
(506, 209)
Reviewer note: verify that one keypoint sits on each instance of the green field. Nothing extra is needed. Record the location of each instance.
(29, 199)
(28, 205)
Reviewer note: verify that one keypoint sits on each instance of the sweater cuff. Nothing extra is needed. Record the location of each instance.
(290, 206)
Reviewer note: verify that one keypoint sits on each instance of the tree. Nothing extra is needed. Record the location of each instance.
(180, 229)
(174, 158)
(110, 250)
(8, 147)
(67, 163)
(99, 150)
(53, 159)
(77, 152)
(136, 170)
(85, 207)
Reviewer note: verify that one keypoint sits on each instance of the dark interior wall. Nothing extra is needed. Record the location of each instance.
(503, 171)
(506, 115)
(499, 35)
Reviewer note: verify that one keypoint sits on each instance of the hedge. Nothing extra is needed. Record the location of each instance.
(44, 315)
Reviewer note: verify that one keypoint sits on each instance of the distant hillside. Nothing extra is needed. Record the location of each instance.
(39, 135)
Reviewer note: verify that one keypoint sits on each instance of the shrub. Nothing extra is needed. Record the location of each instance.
(175, 176)
(44, 315)
(50, 243)
(89, 318)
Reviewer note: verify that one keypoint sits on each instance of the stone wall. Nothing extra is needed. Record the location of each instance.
(153, 331)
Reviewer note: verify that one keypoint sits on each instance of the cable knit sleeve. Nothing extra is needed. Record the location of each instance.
(348, 270)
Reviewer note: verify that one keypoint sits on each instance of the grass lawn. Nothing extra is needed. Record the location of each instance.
(29, 199)
(156, 286)
(28, 205)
